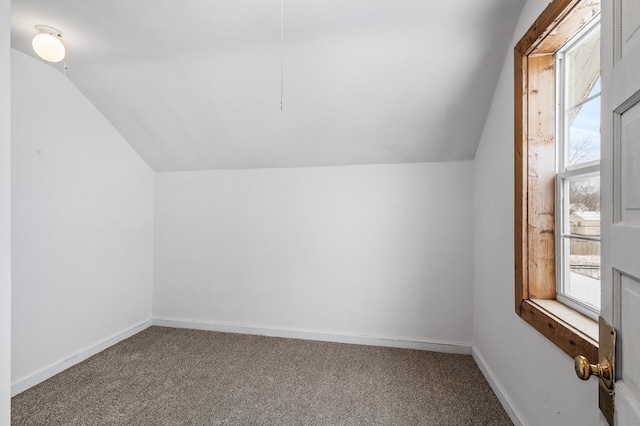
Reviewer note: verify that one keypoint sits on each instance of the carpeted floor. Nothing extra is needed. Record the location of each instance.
(165, 376)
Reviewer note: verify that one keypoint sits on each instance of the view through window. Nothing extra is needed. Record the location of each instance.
(578, 177)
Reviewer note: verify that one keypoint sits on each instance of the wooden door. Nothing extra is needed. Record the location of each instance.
(621, 198)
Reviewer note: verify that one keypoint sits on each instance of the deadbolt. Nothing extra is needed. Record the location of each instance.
(584, 370)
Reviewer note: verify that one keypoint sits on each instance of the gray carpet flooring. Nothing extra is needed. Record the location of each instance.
(165, 376)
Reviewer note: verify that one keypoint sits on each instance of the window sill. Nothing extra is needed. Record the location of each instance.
(580, 322)
(571, 331)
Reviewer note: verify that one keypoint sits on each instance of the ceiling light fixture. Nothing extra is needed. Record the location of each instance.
(48, 44)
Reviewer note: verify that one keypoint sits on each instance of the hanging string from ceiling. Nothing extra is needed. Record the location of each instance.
(281, 54)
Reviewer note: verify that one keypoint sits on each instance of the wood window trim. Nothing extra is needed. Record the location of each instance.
(535, 127)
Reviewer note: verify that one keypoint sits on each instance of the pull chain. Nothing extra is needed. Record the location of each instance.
(65, 96)
(281, 54)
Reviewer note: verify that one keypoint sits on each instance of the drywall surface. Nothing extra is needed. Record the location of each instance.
(537, 377)
(82, 223)
(365, 81)
(5, 214)
(378, 250)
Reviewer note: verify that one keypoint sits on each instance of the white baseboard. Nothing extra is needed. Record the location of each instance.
(447, 347)
(498, 389)
(23, 384)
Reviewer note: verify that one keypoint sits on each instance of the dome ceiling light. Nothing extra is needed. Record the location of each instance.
(48, 44)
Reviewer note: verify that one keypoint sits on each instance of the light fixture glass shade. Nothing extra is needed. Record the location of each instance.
(49, 47)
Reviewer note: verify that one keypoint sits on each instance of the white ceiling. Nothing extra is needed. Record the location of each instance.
(195, 84)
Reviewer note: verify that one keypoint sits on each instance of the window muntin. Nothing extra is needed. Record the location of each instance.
(578, 177)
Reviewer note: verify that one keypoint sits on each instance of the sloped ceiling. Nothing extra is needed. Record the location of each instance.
(195, 85)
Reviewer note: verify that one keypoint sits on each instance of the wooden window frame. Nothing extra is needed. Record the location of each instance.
(535, 170)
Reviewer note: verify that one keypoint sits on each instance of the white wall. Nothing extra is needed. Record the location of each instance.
(358, 250)
(538, 377)
(5, 214)
(82, 227)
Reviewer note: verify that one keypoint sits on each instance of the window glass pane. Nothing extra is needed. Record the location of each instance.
(584, 206)
(581, 100)
(584, 68)
(583, 280)
(584, 133)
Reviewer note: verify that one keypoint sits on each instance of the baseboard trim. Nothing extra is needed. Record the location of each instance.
(23, 384)
(498, 389)
(446, 347)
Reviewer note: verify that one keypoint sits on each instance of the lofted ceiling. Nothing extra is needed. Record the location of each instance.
(195, 84)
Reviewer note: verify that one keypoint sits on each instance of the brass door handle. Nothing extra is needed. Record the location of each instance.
(584, 369)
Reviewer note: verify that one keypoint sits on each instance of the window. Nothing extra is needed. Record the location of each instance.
(578, 177)
(557, 175)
